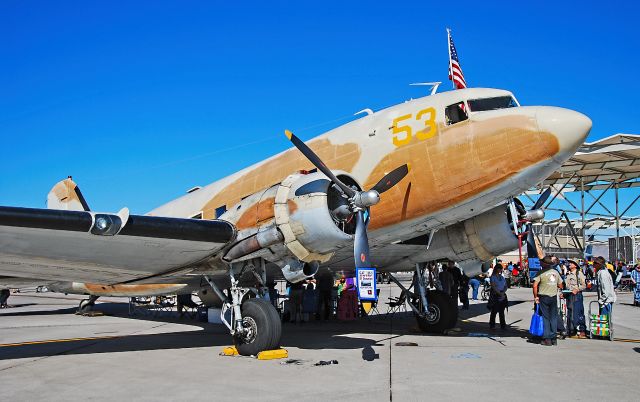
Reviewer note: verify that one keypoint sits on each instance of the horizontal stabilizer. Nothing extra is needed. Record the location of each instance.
(66, 195)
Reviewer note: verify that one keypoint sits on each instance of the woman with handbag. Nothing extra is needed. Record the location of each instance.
(498, 297)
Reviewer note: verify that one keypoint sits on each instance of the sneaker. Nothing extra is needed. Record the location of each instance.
(546, 342)
(582, 335)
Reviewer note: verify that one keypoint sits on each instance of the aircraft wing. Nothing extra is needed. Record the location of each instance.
(58, 245)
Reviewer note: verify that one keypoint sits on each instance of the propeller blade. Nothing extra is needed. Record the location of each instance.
(391, 179)
(514, 215)
(534, 248)
(317, 162)
(361, 242)
(542, 199)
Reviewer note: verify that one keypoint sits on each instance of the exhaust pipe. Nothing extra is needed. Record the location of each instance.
(295, 270)
(256, 242)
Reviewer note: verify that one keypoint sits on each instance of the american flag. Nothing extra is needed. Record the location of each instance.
(455, 71)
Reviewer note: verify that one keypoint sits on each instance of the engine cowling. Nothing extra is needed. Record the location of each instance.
(303, 213)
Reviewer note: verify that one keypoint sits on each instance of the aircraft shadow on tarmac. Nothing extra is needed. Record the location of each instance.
(311, 335)
(69, 310)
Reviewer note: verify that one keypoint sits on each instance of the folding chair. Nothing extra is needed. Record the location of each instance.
(374, 305)
(186, 306)
(395, 304)
(165, 304)
(140, 305)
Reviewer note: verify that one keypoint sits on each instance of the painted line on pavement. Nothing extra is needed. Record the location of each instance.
(6, 345)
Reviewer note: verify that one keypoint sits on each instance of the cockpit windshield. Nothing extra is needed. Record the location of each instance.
(499, 102)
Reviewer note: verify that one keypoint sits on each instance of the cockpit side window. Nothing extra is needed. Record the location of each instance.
(456, 113)
(499, 102)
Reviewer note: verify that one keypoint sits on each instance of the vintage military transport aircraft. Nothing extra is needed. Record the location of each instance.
(429, 179)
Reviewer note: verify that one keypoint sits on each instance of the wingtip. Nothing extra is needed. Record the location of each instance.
(288, 134)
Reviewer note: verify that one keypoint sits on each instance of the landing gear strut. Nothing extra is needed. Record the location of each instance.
(434, 310)
(86, 305)
(254, 323)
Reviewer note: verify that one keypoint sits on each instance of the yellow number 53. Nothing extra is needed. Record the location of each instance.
(402, 134)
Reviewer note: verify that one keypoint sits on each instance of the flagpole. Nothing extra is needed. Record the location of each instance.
(449, 49)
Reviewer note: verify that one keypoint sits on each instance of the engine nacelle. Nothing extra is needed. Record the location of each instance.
(302, 214)
(474, 240)
(299, 219)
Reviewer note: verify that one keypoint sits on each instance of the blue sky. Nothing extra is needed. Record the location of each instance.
(140, 102)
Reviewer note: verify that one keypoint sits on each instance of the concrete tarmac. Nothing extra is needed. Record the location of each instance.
(48, 353)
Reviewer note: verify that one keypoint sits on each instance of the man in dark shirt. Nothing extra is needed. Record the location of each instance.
(295, 298)
(456, 276)
(464, 291)
(325, 285)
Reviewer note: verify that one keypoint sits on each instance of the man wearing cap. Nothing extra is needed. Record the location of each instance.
(576, 282)
(545, 293)
(606, 295)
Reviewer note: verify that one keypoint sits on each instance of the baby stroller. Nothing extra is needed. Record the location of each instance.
(600, 325)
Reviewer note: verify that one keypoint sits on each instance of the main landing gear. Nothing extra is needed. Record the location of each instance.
(254, 323)
(434, 310)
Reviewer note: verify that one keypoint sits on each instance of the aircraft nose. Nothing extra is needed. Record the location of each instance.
(568, 126)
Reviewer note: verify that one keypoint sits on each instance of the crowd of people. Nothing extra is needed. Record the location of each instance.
(553, 278)
(556, 280)
(560, 280)
(321, 298)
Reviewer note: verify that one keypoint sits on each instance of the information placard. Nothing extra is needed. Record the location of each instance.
(366, 284)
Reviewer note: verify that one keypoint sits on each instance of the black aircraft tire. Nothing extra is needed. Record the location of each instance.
(277, 327)
(265, 323)
(440, 308)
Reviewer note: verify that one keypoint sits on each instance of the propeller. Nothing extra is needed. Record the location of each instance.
(361, 242)
(534, 248)
(536, 213)
(542, 199)
(359, 201)
(317, 162)
(520, 215)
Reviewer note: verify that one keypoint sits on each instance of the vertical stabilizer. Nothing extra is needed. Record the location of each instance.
(66, 195)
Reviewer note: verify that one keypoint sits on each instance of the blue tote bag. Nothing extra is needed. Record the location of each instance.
(536, 328)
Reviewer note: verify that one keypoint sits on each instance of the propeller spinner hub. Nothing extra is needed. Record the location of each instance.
(365, 199)
(534, 215)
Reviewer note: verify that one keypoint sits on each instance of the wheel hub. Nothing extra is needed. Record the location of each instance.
(433, 313)
(250, 330)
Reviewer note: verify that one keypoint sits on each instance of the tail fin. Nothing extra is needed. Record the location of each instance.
(66, 195)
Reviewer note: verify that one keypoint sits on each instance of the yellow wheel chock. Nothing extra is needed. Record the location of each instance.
(264, 355)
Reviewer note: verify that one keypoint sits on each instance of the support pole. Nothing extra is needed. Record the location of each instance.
(633, 241)
(598, 199)
(584, 236)
(615, 188)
